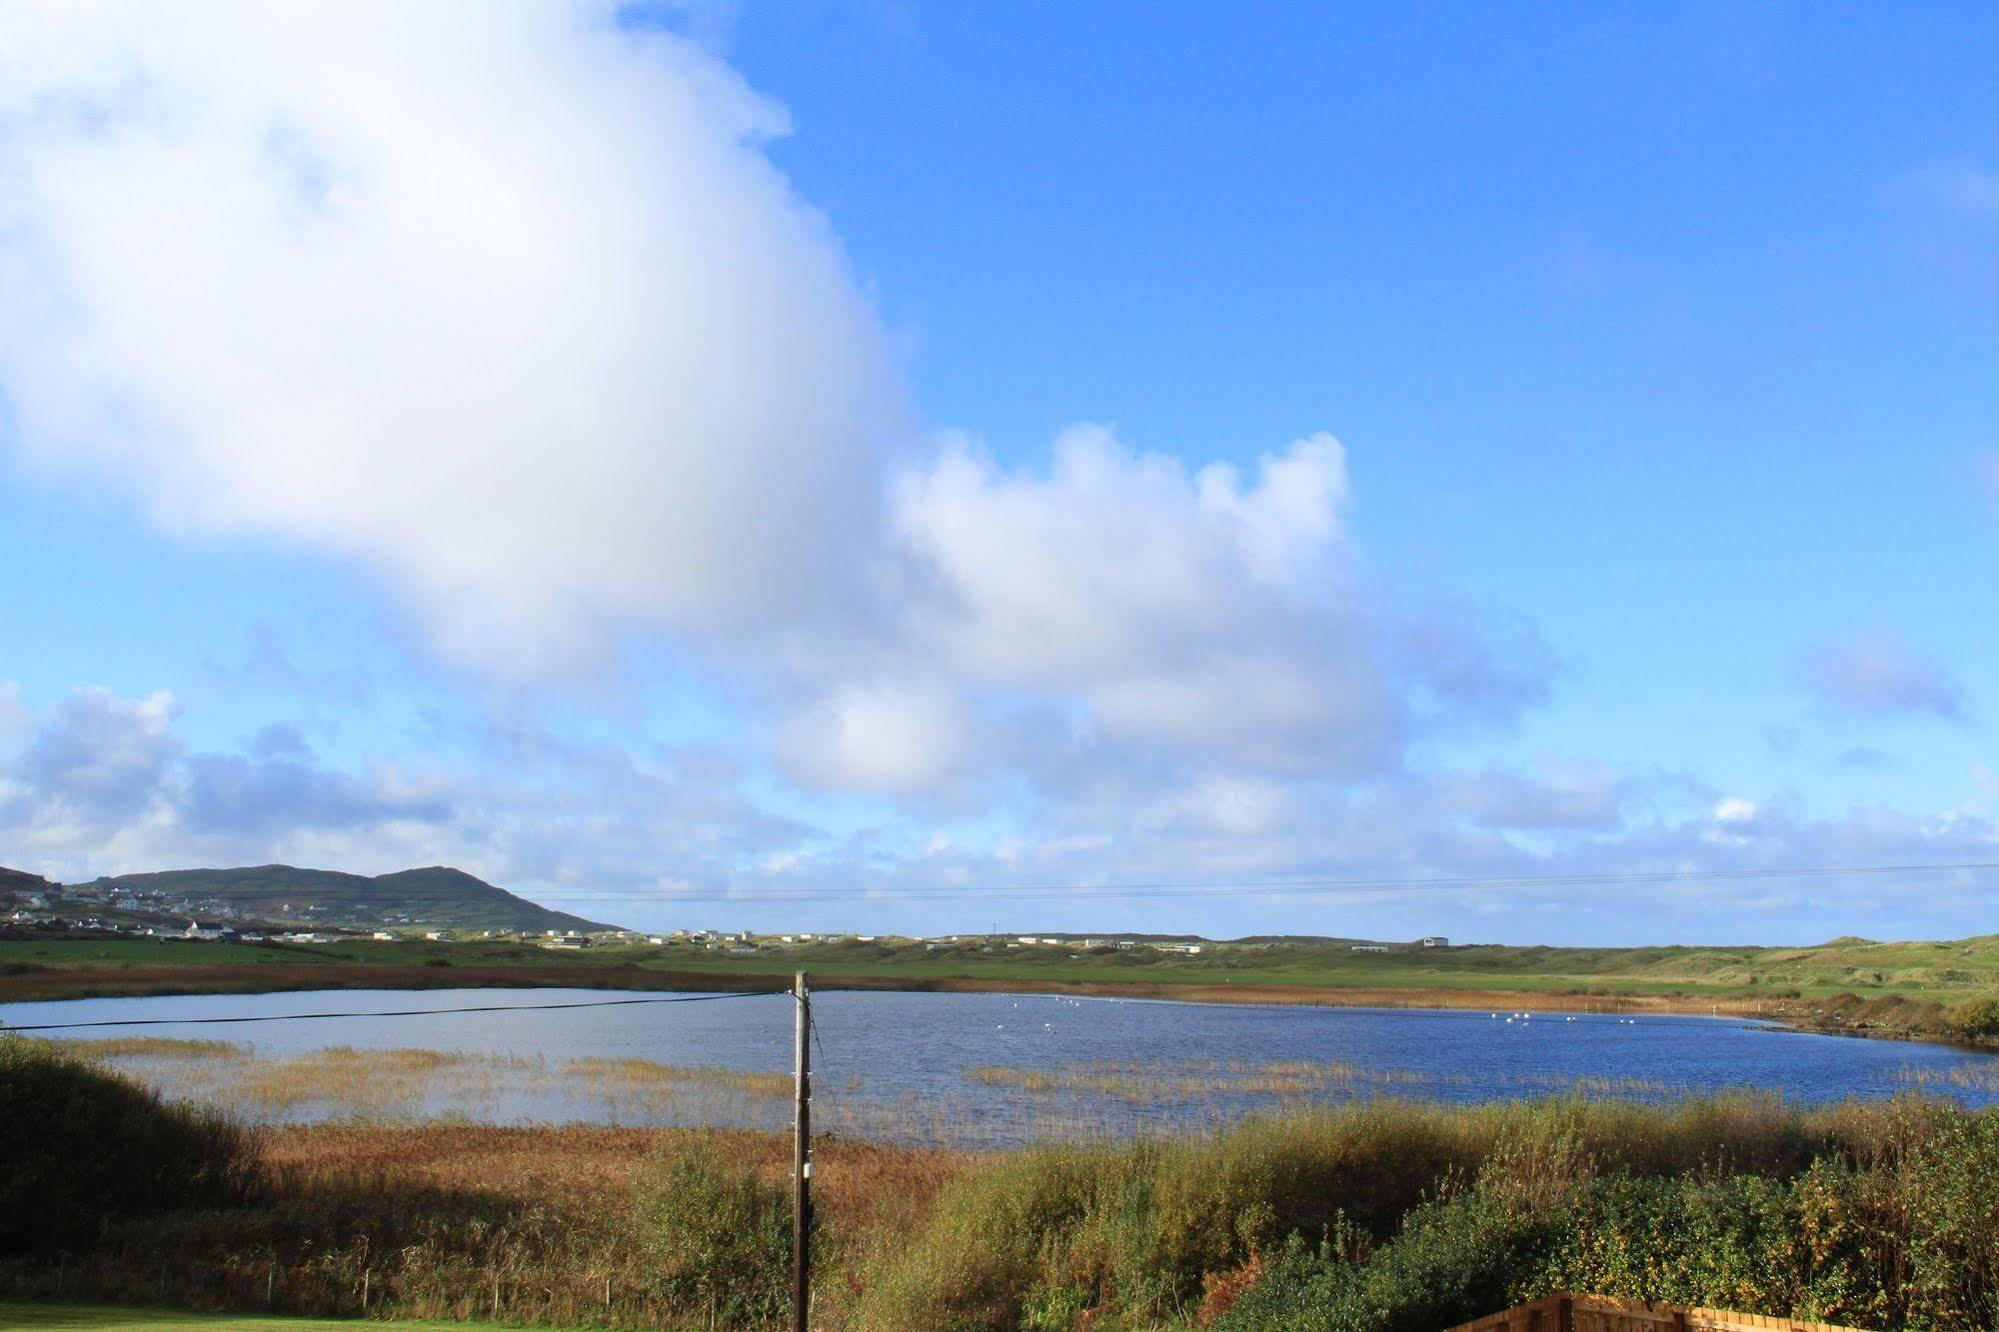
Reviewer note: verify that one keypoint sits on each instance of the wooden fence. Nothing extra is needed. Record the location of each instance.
(1597, 1313)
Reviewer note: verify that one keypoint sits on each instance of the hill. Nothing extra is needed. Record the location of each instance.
(437, 896)
(15, 882)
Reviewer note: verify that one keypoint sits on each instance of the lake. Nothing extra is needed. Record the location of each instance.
(969, 1069)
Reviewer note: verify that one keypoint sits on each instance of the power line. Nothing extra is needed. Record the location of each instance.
(400, 1012)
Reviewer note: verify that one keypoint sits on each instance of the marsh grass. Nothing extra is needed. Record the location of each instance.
(1176, 1082)
(649, 1073)
(393, 1085)
(1403, 1210)
(154, 1047)
(1001, 1106)
(523, 1225)
(1981, 1076)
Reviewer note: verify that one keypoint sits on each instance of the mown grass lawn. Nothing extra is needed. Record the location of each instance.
(108, 1318)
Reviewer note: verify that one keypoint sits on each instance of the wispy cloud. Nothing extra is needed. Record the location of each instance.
(1875, 672)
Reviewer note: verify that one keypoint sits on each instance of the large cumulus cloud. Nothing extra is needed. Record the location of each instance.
(506, 302)
(496, 296)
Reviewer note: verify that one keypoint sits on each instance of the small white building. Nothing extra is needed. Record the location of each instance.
(1435, 941)
(386, 936)
(1370, 948)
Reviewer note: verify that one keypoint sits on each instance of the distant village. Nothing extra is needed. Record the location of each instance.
(31, 903)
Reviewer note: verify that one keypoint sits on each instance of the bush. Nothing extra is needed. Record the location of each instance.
(1145, 1231)
(1455, 1261)
(990, 1255)
(1977, 1019)
(717, 1234)
(84, 1146)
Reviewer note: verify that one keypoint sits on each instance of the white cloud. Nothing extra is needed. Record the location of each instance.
(506, 302)
(1191, 610)
(99, 757)
(1735, 810)
(496, 297)
(1876, 672)
(1560, 794)
(15, 719)
(896, 741)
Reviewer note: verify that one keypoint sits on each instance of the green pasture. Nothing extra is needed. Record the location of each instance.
(1947, 972)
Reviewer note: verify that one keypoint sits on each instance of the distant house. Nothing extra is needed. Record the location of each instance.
(1187, 950)
(438, 936)
(655, 938)
(1370, 948)
(566, 941)
(1435, 941)
(385, 936)
(196, 930)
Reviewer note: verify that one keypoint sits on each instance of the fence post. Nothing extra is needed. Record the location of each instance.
(801, 1162)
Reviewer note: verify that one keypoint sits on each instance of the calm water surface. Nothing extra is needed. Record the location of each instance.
(969, 1068)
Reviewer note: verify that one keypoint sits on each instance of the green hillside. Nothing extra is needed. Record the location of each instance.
(437, 897)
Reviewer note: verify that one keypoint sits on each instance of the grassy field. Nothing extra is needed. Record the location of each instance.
(1792, 983)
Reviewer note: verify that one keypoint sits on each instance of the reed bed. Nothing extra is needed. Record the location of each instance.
(1981, 1076)
(650, 1073)
(1000, 1105)
(155, 1047)
(518, 1225)
(1167, 1083)
(405, 1084)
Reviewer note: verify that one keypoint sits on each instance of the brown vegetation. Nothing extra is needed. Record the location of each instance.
(526, 1225)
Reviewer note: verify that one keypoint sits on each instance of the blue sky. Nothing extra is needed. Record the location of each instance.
(659, 458)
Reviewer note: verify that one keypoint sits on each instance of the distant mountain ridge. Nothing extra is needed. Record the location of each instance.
(436, 896)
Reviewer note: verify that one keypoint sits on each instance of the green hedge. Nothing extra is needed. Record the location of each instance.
(80, 1146)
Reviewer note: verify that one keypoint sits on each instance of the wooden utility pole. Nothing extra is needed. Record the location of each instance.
(801, 1165)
